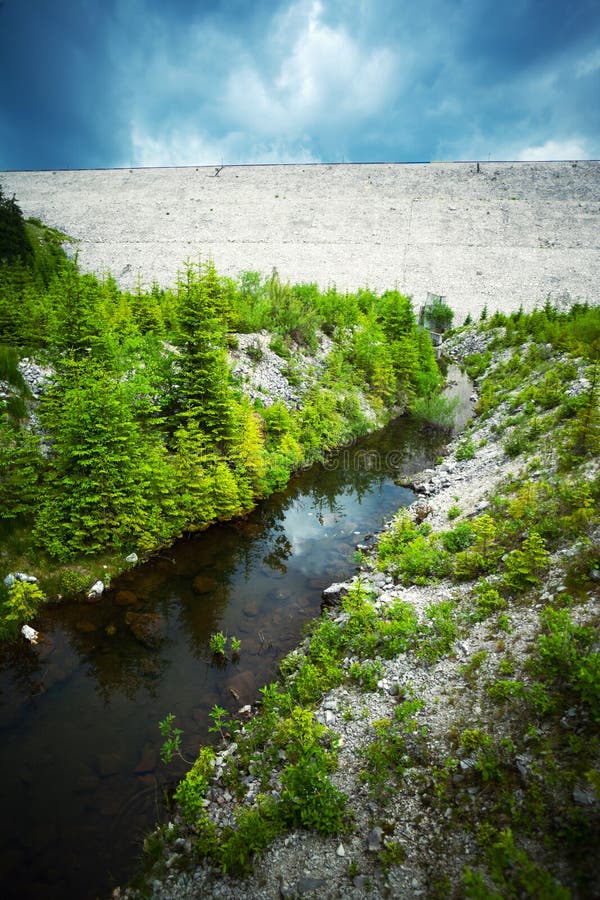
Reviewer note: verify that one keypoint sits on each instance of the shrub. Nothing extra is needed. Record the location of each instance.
(254, 830)
(438, 314)
(439, 632)
(465, 450)
(309, 799)
(460, 538)
(487, 601)
(523, 567)
(191, 790)
(18, 606)
(421, 559)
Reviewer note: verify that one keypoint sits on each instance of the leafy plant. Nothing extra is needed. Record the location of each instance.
(172, 738)
(222, 723)
(19, 605)
(309, 799)
(523, 567)
(367, 674)
(218, 643)
(513, 872)
(465, 449)
(190, 792)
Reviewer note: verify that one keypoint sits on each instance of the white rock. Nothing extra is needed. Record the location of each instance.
(96, 590)
(30, 634)
(19, 576)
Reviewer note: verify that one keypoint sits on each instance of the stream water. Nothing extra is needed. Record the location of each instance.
(79, 740)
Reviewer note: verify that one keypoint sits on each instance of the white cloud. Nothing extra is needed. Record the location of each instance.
(588, 65)
(323, 77)
(554, 150)
(189, 147)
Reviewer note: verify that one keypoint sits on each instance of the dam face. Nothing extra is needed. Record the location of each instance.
(495, 234)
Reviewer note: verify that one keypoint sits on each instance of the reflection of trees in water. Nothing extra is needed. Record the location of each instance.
(280, 553)
(119, 663)
(21, 679)
(200, 616)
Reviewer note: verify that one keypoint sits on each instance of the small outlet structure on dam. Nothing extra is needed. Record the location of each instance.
(499, 234)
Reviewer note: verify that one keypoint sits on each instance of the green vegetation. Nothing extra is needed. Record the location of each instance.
(218, 643)
(437, 314)
(514, 776)
(19, 604)
(145, 433)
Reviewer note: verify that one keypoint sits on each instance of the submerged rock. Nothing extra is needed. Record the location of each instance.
(204, 584)
(148, 628)
(126, 598)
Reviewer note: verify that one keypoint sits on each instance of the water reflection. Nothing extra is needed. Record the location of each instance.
(79, 712)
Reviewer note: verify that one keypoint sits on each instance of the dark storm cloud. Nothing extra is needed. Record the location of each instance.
(58, 103)
(145, 82)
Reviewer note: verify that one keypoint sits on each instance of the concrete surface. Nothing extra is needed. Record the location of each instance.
(507, 234)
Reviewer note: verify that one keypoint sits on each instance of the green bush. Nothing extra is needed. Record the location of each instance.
(255, 829)
(439, 632)
(19, 605)
(460, 538)
(465, 450)
(524, 567)
(487, 601)
(438, 314)
(191, 790)
(309, 799)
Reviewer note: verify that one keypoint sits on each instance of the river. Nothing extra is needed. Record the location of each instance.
(79, 738)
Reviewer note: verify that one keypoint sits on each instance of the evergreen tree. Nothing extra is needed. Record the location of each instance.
(14, 242)
(205, 393)
(247, 453)
(396, 315)
(193, 462)
(20, 467)
(75, 309)
(98, 489)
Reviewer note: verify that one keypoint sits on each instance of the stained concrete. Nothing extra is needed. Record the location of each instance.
(501, 234)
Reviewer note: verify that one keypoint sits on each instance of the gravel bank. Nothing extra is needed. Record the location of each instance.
(429, 838)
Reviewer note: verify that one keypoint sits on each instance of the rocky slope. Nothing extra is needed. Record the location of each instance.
(459, 751)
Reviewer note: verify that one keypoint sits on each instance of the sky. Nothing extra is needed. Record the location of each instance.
(111, 83)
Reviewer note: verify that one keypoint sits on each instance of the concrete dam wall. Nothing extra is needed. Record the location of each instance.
(501, 234)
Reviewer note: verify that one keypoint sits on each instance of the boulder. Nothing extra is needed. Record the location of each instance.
(96, 591)
(12, 577)
(30, 634)
(148, 628)
(204, 584)
(332, 595)
(125, 598)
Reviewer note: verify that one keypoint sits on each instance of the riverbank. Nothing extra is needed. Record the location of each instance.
(261, 375)
(459, 723)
